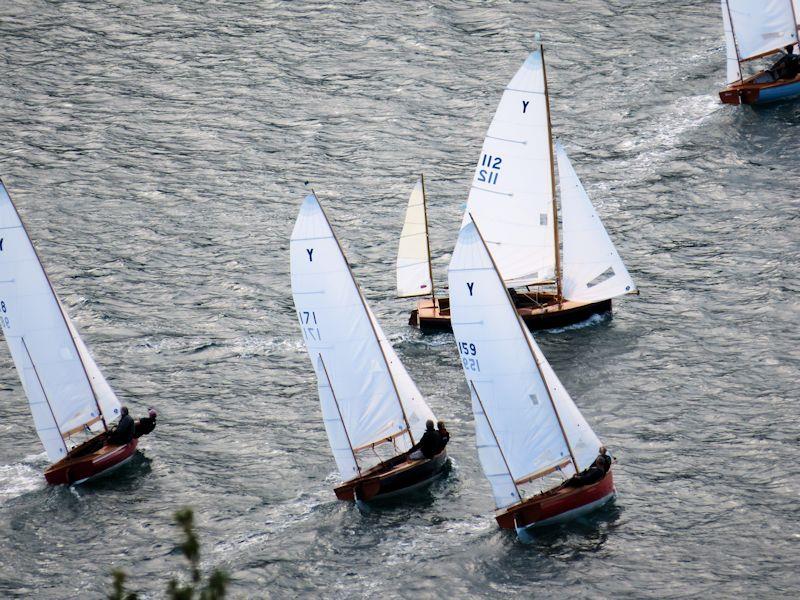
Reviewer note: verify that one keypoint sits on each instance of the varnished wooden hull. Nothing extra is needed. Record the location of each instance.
(429, 318)
(750, 92)
(556, 506)
(77, 469)
(407, 476)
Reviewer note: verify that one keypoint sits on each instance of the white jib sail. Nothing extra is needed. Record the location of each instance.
(38, 336)
(592, 268)
(413, 258)
(731, 59)
(496, 355)
(511, 194)
(762, 26)
(109, 403)
(336, 325)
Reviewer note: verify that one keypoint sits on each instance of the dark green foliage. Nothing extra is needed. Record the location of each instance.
(215, 587)
(217, 582)
(119, 587)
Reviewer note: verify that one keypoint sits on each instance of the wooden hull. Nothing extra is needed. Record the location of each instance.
(404, 477)
(430, 317)
(82, 465)
(557, 506)
(750, 92)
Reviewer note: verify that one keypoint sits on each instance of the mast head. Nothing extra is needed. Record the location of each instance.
(537, 41)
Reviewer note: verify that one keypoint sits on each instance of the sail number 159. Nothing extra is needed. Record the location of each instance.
(469, 356)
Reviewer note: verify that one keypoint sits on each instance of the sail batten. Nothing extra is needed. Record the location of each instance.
(592, 268)
(47, 352)
(536, 425)
(375, 394)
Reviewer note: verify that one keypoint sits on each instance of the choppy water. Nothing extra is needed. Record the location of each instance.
(157, 152)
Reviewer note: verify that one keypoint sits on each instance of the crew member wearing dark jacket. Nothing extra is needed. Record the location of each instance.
(428, 445)
(444, 436)
(146, 424)
(123, 432)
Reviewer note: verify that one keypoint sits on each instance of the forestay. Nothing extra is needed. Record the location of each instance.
(520, 427)
(37, 332)
(370, 384)
(592, 268)
(511, 194)
(760, 26)
(413, 258)
(733, 69)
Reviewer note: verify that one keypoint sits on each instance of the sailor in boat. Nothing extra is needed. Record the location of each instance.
(123, 433)
(444, 435)
(429, 445)
(594, 473)
(787, 67)
(146, 424)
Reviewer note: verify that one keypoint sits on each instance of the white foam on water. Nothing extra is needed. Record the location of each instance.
(18, 479)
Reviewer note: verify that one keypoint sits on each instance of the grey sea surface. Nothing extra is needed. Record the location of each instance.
(157, 152)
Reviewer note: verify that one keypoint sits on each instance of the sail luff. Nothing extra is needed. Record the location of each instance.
(556, 244)
(427, 234)
(732, 60)
(526, 334)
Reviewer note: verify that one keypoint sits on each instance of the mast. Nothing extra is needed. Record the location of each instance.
(61, 312)
(371, 324)
(796, 27)
(494, 435)
(530, 348)
(427, 236)
(552, 183)
(339, 410)
(733, 35)
(44, 393)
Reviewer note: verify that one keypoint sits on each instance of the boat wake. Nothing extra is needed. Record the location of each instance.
(20, 478)
(590, 322)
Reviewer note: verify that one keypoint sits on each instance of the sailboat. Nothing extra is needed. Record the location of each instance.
(755, 29)
(513, 197)
(529, 432)
(372, 409)
(72, 404)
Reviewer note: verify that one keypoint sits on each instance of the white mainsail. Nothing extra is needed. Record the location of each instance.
(519, 397)
(47, 356)
(413, 255)
(592, 268)
(733, 70)
(759, 27)
(512, 193)
(371, 386)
